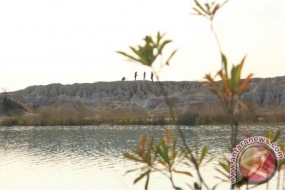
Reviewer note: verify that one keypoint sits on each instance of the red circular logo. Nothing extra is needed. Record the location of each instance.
(257, 163)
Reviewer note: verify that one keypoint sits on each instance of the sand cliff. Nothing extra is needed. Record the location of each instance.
(145, 97)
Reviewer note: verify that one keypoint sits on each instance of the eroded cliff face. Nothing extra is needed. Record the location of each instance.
(145, 97)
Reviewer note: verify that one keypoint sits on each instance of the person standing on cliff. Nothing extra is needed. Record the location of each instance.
(143, 75)
(136, 75)
(151, 76)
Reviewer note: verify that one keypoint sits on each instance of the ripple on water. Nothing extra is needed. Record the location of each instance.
(89, 157)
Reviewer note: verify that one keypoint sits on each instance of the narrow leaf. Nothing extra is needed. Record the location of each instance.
(225, 63)
(160, 48)
(203, 153)
(141, 176)
(139, 54)
(182, 172)
(129, 56)
(225, 167)
(159, 37)
(267, 134)
(215, 9)
(276, 136)
(221, 172)
(132, 170)
(163, 151)
(199, 12)
(162, 163)
(200, 6)
(167, 62)
(243, 84)
(131, 157)
(239, 69)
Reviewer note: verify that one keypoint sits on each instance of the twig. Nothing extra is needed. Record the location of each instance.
(181, 133)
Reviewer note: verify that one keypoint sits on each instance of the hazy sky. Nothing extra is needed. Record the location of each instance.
(74, 41)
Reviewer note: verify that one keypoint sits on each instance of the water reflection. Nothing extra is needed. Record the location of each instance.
(88, 157)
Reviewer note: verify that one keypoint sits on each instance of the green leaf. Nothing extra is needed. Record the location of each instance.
(148, 53)
(199, 12)
(159, 37)
(225, 88)
(225, 63)
(239, 69)
(164, 156)
(225, 167)
(148, 39)
(163, 151)
(223, 180)
(267, 134)
(129, 56)
(174, 154)
(141, 176)
(237, 75)
(276, 136)
(232, 80)
(132, 170)
(207, 6)
(200, 6)
(160, 48)
(139, 54)
(162, 163)
(215, 186)
(203, 153)
(242, 62)
(222, 172)
(209, 160)
(224, 3)
(131, 157)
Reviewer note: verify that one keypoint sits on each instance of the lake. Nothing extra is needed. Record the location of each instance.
(90, 157)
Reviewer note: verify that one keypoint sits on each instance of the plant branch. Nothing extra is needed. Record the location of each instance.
(218, 41)
(180, 132)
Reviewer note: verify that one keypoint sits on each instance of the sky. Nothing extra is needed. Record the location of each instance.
(74, 41)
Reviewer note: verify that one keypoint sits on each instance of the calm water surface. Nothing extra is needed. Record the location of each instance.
(90, 157)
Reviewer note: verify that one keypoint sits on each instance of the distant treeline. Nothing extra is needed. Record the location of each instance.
(48, 118)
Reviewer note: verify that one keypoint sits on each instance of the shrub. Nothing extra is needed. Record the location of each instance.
(11, 107)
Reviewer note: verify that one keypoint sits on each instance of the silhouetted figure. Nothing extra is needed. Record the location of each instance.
(151, 76)
(136, 75)
(143, 75)
(124, 78)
